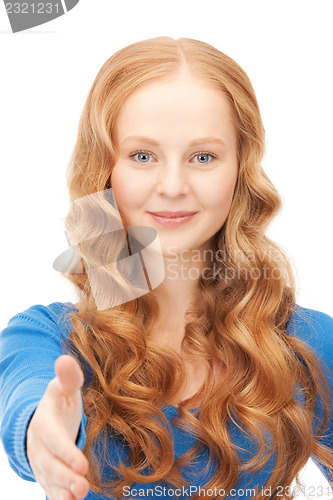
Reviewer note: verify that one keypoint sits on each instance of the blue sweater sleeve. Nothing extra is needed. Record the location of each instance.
(29, 347)
(316, 329)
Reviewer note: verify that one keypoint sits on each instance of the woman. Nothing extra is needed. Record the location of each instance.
(212, 381)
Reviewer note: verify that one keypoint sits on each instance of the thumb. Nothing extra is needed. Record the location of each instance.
(69, 374)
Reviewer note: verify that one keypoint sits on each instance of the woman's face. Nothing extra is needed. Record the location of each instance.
(176, 148)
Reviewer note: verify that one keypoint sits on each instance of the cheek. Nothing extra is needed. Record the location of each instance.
(123, 188)
(218, 193)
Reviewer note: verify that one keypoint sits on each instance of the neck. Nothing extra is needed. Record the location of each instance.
(176, 294)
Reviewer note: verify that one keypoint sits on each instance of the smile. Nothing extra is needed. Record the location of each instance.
(172, 218)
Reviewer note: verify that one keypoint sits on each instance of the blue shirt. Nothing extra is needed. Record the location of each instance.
(29, 347)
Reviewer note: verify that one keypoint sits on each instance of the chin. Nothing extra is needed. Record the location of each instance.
(173, 250)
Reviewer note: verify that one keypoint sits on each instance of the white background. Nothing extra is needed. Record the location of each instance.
(286, 48)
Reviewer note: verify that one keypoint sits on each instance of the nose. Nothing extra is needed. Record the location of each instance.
(173, 180)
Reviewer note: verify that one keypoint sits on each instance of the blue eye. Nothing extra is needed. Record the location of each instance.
(142, 156)
(204, 157)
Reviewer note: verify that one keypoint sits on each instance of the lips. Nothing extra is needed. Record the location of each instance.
(172, 215)
(172, 219)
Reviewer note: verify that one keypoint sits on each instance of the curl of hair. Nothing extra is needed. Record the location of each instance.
(240, 321)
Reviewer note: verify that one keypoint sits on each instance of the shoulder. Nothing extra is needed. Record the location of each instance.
(54, 317)
(315, 328)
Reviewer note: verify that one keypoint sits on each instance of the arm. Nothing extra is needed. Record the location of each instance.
(29, 347)
(316, 329)
(324, 348)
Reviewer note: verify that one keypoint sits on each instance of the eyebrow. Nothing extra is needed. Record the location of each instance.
(196, 142)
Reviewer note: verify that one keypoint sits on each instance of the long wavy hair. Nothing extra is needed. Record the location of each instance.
(239, 323)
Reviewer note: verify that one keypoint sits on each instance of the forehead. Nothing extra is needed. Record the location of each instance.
(175, 105)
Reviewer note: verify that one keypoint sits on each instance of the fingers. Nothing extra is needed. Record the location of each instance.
(64, 449)
(57, 479)
(55, 429)
(56, 440)
(69, 374)
(58, 464)
(64, 495)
